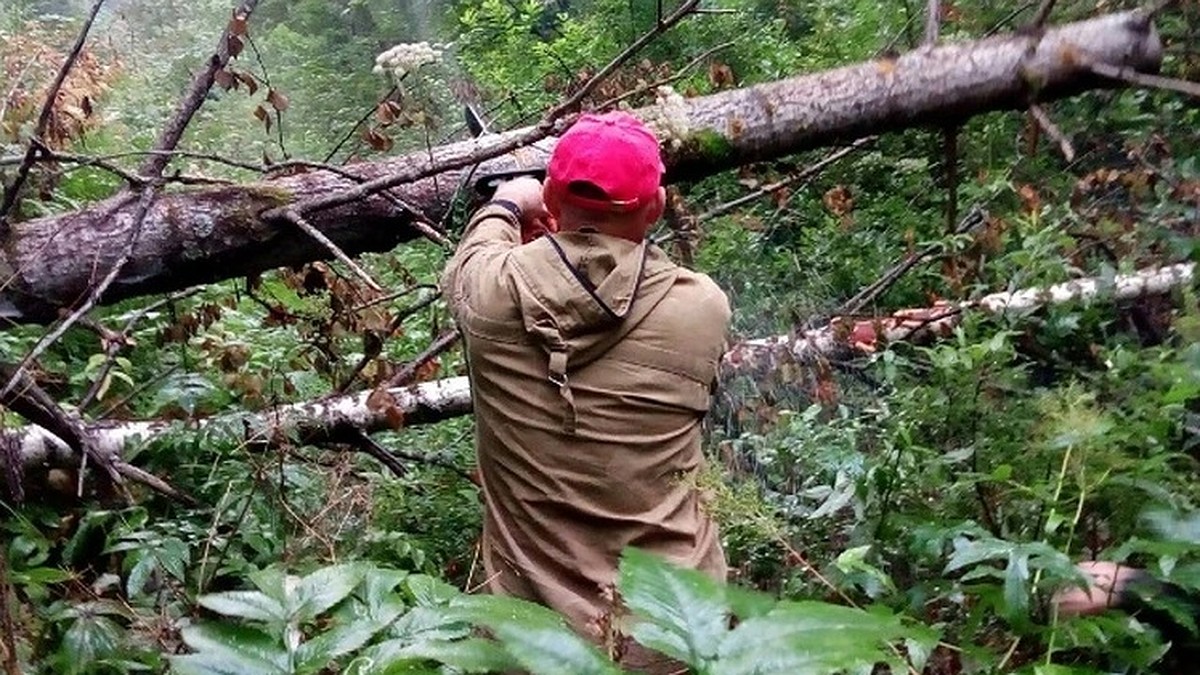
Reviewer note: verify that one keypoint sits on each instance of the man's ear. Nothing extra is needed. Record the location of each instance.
(654, 210)
(551, 199)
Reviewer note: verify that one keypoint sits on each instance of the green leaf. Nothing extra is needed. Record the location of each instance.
(430, 623)
(244, 604)
(220, 664)
(747, 604)
(341, 640)
(427, 591)
(473, 655)
(222, 646)
(1016, 582)
(685, 611)
(325, 588)
(379, 585)
(140, 574)
(91, 637)
(41, 575)
(813, 637)
(536, 637)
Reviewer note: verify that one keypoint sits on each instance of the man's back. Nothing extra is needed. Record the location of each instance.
(591, 363)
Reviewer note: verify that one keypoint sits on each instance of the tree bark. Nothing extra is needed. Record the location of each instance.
(204, 235)
(342, 416)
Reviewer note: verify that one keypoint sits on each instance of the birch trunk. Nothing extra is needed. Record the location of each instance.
(451, 397)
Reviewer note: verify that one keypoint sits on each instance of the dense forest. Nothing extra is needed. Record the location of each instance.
(958, 239)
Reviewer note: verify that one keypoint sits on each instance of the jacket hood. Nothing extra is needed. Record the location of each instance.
(584, 291)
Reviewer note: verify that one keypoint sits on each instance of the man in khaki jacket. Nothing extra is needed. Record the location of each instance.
(591, 359)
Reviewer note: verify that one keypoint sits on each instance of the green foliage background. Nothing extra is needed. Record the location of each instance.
(944, 489)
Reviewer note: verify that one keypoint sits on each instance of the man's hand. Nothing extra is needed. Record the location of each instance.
(526, 193)
(1108, 586)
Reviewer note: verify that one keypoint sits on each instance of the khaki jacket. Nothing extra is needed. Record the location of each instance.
(590, 382)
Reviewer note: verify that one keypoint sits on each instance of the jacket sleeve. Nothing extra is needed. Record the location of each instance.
(477, 264)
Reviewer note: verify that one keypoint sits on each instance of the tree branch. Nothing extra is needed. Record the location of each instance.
(1131, 76)
(194, 97)
(1052, 130)
(10, 193)
(799, 177)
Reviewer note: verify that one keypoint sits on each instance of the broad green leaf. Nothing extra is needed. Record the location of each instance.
(685, 611)
(92, 637)
(225, 643)
(1016, 586)
(812, 637)
(969, 552)
(325, 588)
(271, 581)
(174, 557)
(245, 605)
(473, 655)
(341, 640)
(379, 585)
(746, 603)
(427, 591)
(220, 664)
(536, 637)
(140, 574)
(41, 575)
(430, 623)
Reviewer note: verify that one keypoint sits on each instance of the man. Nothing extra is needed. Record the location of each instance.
(591, 357)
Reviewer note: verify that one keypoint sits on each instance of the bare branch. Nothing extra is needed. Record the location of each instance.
(194, 97)
(933, 21)
(677, 75)
(1043, 13)
(10, 193)
(155, 483)
(974, 219)
(332, 419)
(366, 116)
(1052, 130)
(1131, 76)
(406, 374)
(371, 354)
(266, 78)
(778, 185)
(296, 219)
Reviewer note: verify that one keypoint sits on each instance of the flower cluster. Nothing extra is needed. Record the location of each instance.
(668, 117)
(405, 58)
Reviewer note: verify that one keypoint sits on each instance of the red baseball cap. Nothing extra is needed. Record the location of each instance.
(614, 153)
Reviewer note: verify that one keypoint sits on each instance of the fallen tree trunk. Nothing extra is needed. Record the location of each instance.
(345, 416)
(199, 236)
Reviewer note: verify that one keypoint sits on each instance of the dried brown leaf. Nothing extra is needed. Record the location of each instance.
(248, 80)
(277, 100)
(377, 141)
(235, 46)
(384, 113)
(380, 400)
(224, 79)
(263, 116)
(237, 25)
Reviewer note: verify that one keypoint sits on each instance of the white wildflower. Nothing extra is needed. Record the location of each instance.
(406, 57)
